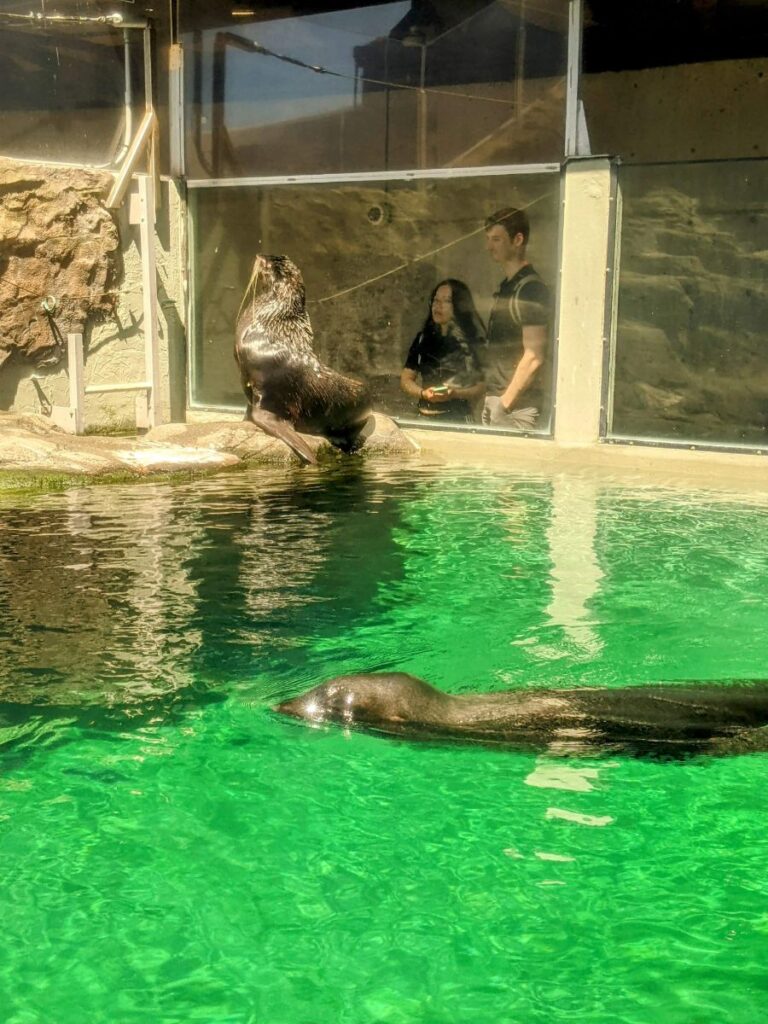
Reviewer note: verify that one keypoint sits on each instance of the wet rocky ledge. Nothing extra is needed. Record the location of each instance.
(36, 454)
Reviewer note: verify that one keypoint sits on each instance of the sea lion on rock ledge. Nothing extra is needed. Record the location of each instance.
(287, 387)
(665, 720)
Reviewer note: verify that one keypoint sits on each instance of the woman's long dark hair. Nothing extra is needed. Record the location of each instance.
(465, 316)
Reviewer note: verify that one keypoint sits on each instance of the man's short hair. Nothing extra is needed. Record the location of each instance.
(514, 222)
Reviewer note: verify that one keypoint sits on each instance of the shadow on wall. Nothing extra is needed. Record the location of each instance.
(29, 386)
(11, 374)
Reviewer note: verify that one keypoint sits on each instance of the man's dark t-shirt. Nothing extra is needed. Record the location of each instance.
(521, 301)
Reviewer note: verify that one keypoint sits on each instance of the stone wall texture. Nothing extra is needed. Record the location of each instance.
(693, 304)
(57, 239)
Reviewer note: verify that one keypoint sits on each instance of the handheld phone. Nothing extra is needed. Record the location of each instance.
(441, 390)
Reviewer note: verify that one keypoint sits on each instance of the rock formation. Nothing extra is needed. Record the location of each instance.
(57, 239)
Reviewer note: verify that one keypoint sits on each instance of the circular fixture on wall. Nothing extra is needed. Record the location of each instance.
(379, 213)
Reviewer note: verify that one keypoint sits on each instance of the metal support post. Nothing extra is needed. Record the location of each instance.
(70, 417)
(148, 409)
(176, 108)
(573, 76)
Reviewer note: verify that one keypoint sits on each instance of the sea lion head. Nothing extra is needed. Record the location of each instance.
(276, 288)
(372, 700)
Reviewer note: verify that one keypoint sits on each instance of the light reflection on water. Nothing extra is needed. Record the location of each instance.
(170, 850)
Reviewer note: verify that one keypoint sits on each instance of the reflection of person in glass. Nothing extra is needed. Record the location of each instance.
(444, 354)
(514, 359)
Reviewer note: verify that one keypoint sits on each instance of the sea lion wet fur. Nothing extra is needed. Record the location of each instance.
(287, 387)
(667, 720)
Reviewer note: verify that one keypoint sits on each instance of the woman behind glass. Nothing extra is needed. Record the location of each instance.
(444, 354)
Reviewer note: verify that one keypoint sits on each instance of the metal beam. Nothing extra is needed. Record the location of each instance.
(132, 157)
(573, 77)
(149, 292)
(353, 177)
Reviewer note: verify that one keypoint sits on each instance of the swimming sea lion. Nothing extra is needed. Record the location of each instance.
(667, 720)
(287, 387)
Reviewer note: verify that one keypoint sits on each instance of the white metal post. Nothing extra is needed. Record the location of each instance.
(71, 417)
(176, 109)
(148, 410)
(76, 380)
(573, 75)
(588, 209)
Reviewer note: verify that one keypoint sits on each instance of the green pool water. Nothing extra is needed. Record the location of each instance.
(171, 851)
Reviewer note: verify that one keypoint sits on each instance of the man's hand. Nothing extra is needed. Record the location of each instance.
(494, 413)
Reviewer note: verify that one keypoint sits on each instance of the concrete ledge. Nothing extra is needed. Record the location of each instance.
(247, 442)
(635, 464)
(34, 453)
(638, 464)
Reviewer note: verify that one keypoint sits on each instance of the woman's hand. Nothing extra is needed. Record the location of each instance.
(430, 395)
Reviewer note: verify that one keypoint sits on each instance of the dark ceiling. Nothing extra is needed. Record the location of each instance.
(618, 34)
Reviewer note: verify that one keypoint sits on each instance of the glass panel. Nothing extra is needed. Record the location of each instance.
(676, 79)
(371, 256)
(382, 86)
(691, 360)
(70, 93)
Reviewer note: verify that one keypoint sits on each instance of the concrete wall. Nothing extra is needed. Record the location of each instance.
(686, 112)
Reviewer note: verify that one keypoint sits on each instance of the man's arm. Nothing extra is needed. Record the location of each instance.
(534, 351)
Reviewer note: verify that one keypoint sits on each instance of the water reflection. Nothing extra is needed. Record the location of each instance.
(120, 595)
(576, 572)
(27, 727)
(554, 776)
(94, 587)
(269, 582)
(229, 862)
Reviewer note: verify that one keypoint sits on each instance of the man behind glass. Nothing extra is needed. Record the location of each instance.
(514, 360)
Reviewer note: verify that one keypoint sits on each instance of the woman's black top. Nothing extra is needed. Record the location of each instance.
(448, 359)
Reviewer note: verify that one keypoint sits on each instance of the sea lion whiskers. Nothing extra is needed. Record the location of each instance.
(250, 289)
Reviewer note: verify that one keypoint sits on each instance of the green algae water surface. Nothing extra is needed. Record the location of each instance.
(171, 851)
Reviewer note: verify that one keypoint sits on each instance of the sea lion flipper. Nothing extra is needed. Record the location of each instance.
(277, 427)
(353, 439)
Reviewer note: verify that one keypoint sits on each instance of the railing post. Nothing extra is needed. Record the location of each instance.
(573, 76)
(71, 417)
(148, 410)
